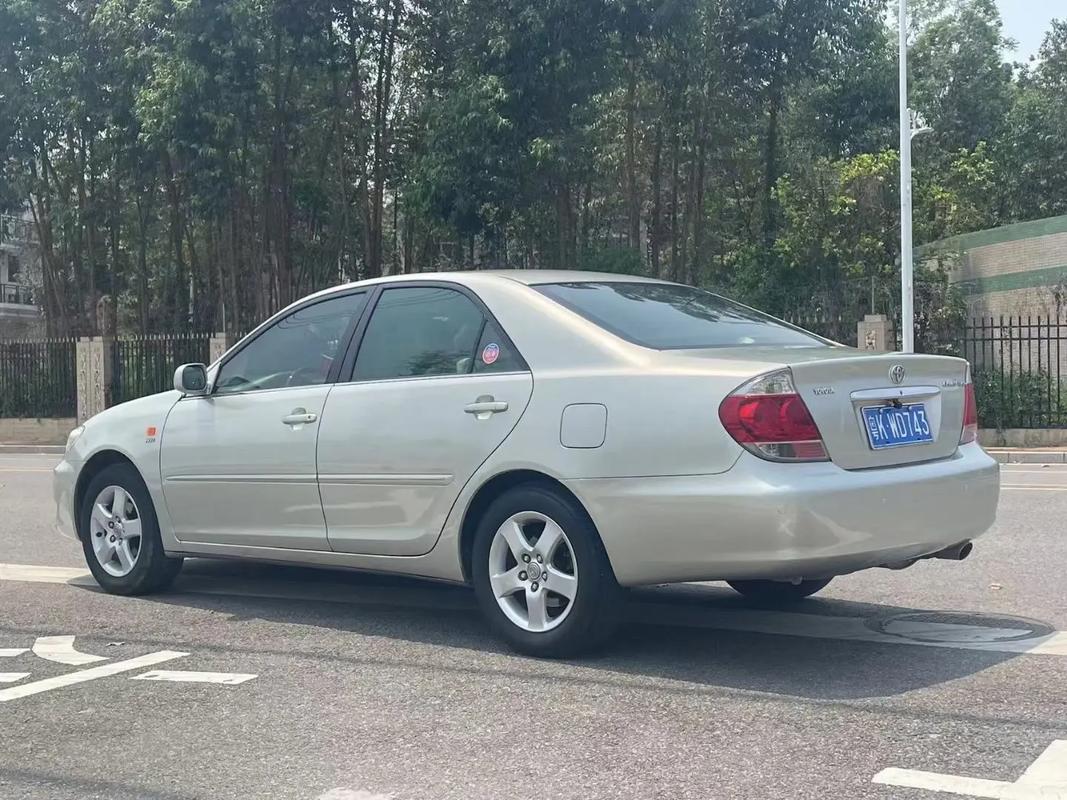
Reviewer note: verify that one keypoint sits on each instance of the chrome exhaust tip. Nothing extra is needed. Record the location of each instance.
(958, 552)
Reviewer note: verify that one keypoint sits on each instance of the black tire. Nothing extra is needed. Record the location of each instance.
(594, 612)
(153, 569)
(778, 592)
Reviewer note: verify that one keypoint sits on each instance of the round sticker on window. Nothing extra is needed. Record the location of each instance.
(490, 353)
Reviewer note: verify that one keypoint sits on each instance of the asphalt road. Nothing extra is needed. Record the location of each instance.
(368, 687)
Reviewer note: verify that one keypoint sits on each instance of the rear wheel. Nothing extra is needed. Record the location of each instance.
(541, 575)
(120, 534)
(778, 592)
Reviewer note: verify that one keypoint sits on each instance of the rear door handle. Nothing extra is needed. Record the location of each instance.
(299, 416)
(485, 406)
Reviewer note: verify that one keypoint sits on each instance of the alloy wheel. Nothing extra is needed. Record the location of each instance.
(532, 571)
(115, 531)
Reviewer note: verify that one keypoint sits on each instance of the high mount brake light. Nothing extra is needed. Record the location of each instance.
(768, 417)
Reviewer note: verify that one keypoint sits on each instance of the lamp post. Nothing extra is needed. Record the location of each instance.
(907, 278)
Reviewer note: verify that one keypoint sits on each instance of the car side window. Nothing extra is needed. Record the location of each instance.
(419, 331)
(298, 350)
(496, 353)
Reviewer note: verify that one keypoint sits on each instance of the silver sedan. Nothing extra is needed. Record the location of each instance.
(549, 438)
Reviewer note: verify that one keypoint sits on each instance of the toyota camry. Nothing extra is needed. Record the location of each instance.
(550, 438)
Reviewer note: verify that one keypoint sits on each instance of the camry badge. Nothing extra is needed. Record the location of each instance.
(896, 373)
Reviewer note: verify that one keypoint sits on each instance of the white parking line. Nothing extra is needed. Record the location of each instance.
(922, 633)
(11, 652)
(180, 676)
(1045, 779)
(12, 677)
(35, 574)
(61, 650)
(91, 674)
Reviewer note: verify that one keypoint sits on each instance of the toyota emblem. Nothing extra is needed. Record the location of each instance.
(896, 373)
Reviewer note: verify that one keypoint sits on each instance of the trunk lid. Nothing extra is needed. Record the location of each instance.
(837, 389)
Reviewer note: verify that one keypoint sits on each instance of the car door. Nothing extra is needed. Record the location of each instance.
(436, 387)
(238, 464)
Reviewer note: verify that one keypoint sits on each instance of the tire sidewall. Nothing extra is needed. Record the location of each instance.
(151, 553)
(594, 611)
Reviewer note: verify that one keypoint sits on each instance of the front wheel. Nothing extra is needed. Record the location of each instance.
(120, 534)
(778, 592)
(541, 575)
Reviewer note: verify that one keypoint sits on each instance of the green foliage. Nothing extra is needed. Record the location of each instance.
(204, 162)
(1008, 399)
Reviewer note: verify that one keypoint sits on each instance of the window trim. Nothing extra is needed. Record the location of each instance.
(348, 364)
(271, 323)
(611, 329)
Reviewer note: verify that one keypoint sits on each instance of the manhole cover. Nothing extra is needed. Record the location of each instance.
(959, 627)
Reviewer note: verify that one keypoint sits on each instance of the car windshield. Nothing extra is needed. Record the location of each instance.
(667, 316)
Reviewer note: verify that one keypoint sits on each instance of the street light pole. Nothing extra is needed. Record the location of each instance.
(907, 279)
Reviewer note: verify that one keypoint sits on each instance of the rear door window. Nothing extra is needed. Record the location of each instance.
(667, 316)
(419, 331)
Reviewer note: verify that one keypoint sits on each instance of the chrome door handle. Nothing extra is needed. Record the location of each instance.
(299, 416)
(485, 406)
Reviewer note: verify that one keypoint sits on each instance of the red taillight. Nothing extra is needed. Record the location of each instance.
(970, 415)
(769, 418)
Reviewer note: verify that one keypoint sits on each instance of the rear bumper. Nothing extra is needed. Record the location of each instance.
(768, 520)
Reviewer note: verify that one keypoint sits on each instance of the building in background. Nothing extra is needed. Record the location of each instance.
(1015, 271)
(19, 262)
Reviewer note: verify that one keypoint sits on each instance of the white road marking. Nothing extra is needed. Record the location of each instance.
(1007, 487)
(1045, 779)
(91, 674)
(352, 794)
(10, 652)
(12, 677)
(34, 574)
(776, 623)
(179, 676)
(61, 650)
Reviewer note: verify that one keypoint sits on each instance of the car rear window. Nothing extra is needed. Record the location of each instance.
(667, 316)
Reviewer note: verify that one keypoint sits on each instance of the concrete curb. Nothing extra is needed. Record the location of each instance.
(1008, 455)
(39, 449)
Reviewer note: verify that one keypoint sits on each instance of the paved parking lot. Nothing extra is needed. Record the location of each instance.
(249, 681)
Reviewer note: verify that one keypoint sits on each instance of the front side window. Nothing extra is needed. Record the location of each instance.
(298, 350)
(667, 316)
(420, 331)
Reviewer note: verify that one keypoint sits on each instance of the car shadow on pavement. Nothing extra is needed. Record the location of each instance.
(667, 642)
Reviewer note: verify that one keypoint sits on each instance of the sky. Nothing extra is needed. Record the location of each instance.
(1027, 22)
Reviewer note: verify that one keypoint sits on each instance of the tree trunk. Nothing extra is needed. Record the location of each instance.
(633, 199)
(656, 223)
(770, 159)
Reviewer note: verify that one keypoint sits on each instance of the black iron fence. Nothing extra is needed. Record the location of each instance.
(1019, 365)
(144, 365)
(836, 328)
(38, 378)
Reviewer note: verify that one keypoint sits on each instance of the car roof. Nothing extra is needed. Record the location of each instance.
(529, 277)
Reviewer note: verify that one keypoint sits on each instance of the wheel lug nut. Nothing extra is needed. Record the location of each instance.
(526, 557)
(533, 586)
(540, 557)
(522, 576)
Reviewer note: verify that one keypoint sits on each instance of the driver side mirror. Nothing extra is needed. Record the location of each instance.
(191, 379)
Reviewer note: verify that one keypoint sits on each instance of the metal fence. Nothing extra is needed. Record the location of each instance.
(145, 365)
(38, 378)
(836, 328)
(1019, 365)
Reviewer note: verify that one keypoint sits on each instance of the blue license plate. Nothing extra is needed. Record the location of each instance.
(889, 426)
